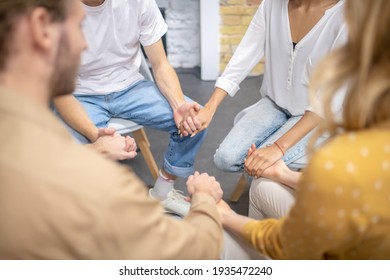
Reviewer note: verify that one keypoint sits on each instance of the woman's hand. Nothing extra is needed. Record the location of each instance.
(258, 160)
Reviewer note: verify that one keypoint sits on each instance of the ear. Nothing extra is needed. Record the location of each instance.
(44, 32)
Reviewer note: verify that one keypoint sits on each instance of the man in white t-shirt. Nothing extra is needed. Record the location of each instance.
(109, 85)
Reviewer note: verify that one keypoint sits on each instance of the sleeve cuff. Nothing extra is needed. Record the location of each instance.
(315, 106)
(230, 87)
(248, 229)
(156, 36)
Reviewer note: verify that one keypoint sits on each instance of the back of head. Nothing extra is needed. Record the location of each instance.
(363, 65)
(12, 10)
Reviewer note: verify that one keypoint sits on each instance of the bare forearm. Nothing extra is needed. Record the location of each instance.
(164, 74)
(234, 222)
(307, 123)
(215, 100)
(290, 178)
(75, 116)
(169, 85)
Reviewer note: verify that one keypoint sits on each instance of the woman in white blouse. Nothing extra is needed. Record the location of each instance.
(292, 36)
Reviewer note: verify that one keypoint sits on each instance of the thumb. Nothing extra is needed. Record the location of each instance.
(132, 154)
(106, 131)
(196, 107)
(248, 154)
(109, 130)
(251, 150)
(253, 147)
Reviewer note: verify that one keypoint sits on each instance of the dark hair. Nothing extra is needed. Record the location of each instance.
(11, 10)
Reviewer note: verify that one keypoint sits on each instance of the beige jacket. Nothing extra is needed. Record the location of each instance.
(61, 200)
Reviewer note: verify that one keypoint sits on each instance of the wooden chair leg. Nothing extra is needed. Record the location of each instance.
(239, 189)
(143, 144)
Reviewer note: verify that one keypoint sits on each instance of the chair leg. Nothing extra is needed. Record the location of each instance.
(239, 189)
(143, 144)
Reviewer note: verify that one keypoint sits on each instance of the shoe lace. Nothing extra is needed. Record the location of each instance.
(177, 195)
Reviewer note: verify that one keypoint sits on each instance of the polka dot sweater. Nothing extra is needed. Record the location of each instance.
(342, 208)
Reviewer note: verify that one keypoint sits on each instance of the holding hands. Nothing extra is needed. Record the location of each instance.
(184, 112)
(277, 171)
(258, 161)
(195, 120)
(206, 184)
(115, 146)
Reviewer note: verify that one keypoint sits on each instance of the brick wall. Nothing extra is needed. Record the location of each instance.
(235, 18)
(183, 37)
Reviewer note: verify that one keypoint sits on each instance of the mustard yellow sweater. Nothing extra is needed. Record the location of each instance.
(342, 208)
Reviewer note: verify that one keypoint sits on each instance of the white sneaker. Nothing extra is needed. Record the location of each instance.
(175, 203)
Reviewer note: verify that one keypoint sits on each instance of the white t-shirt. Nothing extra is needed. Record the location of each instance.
(114, 31)
(269, 35)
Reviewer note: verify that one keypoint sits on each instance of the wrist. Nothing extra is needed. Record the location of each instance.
(93, 135)
(211, 108)
(177, 104)
(280, 148)
(227, 217)
(215, 100)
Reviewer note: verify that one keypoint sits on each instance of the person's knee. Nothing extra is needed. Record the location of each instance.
(226, 160)
(271, 199)
(255, 210)
(262, 198)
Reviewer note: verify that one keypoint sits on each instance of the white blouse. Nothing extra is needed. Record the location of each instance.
(285, 76)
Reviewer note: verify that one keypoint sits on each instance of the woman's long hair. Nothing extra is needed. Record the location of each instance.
(363, 65)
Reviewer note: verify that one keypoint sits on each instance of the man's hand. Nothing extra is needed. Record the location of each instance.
(201, 120)
(105, 131)
(204, 183)
(185, 110)
(115, 146)
(258, 160)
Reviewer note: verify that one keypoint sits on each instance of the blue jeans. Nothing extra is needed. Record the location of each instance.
(262, 125)
(144, 104)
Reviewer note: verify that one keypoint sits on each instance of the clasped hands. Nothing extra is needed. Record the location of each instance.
(263, 162)
(115, 146)
(191, 118)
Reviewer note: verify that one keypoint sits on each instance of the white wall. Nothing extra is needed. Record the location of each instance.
(209, 29)
(183, 37)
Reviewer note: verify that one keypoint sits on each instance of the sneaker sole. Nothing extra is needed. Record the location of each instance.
(172, 213)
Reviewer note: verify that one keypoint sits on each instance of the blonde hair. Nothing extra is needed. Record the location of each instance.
(363, 65)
